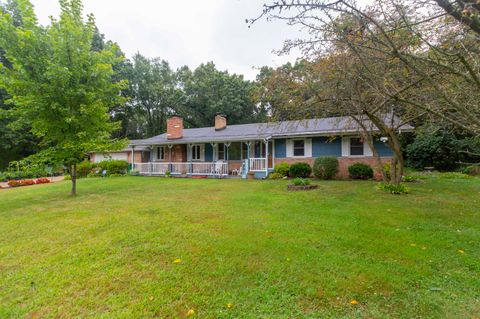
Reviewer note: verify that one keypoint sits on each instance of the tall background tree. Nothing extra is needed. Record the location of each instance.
(58, 85)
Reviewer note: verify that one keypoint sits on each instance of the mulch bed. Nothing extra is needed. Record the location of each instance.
(301, 187)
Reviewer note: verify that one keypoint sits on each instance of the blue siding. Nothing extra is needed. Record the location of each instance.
(208, 152)
(382, 148)
(280, 148)
(323, 146)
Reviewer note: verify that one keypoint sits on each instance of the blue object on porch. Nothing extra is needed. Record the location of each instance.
(262, 175)
(280, 148)
(323, 146)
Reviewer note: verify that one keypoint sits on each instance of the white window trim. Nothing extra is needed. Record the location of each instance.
(201, 153)
(367, 152)
(163, 152)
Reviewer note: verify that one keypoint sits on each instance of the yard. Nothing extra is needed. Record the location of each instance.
(139, 247)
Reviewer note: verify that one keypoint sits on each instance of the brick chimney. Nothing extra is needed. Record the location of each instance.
(174, 127)
(220, 122)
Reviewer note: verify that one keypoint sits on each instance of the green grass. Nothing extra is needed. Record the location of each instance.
(109, 252)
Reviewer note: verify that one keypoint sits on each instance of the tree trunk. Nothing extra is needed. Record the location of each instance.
(74, 179)
(396, 169)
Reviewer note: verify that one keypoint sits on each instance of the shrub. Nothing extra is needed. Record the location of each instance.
(134, 172)
(408, 178)
(300, 170)
(42, 181)
(3, 177)
(393, 188)
(282, 169)
(14, 183)
(300, 181)
(27, 182)
(360, 171)
(67, 177)
(325, 167)
(275, 175)
(114, 166)
(473, 170)
(84, 168)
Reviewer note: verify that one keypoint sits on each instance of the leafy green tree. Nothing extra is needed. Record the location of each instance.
(58, 85)
(209, 91)
(153, 93)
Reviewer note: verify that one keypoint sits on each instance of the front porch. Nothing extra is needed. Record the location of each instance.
(213, 159)
(218, 169)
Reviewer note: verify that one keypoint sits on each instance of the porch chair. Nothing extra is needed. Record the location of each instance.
(218, 167)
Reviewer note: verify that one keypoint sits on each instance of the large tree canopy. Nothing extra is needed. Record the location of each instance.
(57, 84)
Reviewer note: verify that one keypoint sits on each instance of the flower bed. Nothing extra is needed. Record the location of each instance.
(301, 187)
(27, 182)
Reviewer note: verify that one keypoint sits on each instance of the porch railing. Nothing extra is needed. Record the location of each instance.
(257, 164)
(183, 168)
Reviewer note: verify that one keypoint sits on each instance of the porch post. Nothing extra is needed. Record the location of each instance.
(170, 158)
(248, 156)
(266, 158)
(133, 157)
(190, 158)
(273, 154)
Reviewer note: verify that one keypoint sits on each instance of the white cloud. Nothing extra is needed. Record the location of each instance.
(188, 32)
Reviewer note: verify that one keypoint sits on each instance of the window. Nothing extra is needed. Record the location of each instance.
(221, 151)
(299, 148)
(160, 153)
(356, 146)
(196, 152)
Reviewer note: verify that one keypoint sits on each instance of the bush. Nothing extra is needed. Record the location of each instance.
(393, 188)
(14, 183)
(360, 171)
(42, 181)
(275, 176)
(3, 177)
(282, 169)
(408, 178)
(134, 172)
(325, 167)
(473, 170)
(84, 168)
(67, 177)
(300, 170)
(300, 181)
(114, 166)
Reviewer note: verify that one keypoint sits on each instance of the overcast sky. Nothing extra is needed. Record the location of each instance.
(188, 32)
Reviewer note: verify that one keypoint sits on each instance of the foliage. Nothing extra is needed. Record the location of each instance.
(114, 166)
(42, 181)
(408, 178)
(300, 181)
(360, 171)
(275, 175)
(473, 170)
(325, 167)
(300, 170)
(168, 174)
(58, 84)
(134, 172)
(440, 147)
(282, 168)
(393, 188)
(84, 168)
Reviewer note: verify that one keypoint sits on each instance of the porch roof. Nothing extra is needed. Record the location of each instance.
(259, 131)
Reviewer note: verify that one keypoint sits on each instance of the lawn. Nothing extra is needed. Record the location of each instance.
(139, 247)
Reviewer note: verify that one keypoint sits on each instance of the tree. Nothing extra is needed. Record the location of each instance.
(58, 84)
(154, 95)
(441, 68)
(209, 91)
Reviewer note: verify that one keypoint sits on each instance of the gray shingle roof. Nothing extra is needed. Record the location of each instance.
(259, 131)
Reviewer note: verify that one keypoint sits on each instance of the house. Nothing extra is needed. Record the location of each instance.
(229, 150)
